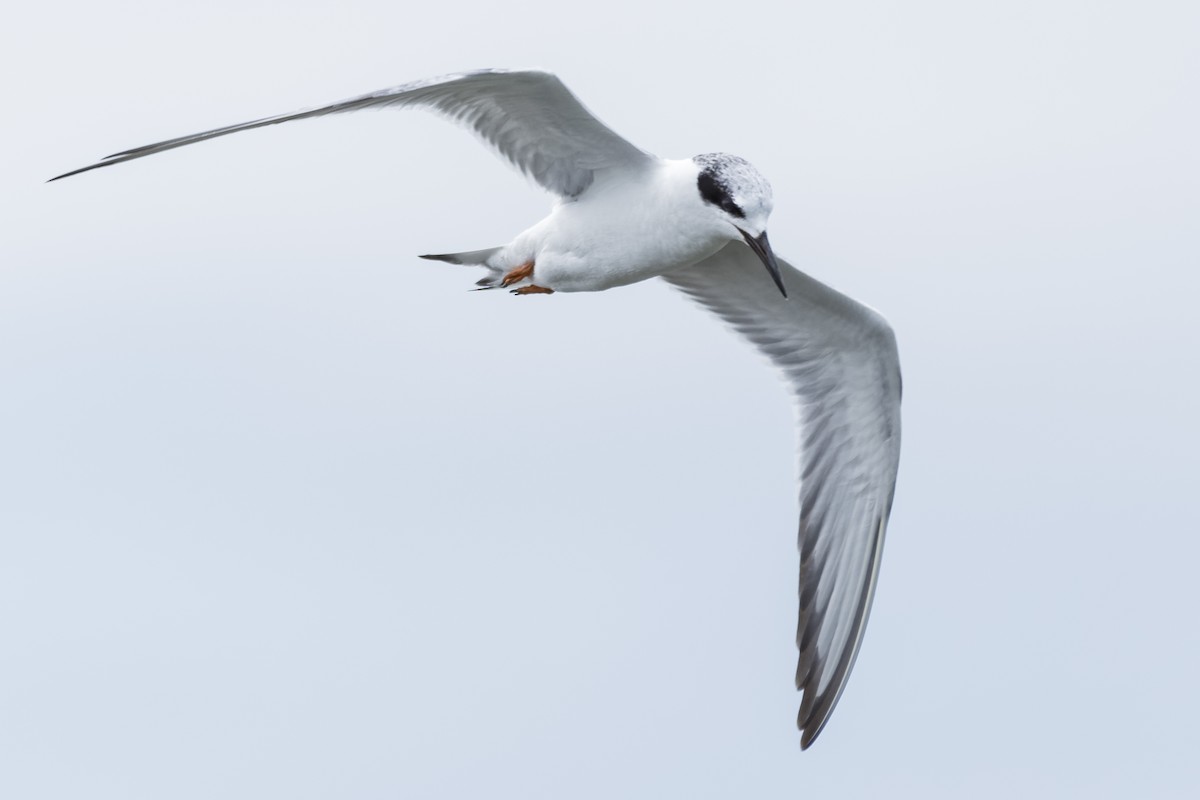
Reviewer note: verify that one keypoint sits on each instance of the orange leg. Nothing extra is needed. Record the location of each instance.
(517, 274)
(533, 290)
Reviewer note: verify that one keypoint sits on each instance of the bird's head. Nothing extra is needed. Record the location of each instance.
(740, 196)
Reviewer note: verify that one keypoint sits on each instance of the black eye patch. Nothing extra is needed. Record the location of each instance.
(713, 191)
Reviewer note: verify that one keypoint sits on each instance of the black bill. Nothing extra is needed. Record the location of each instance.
(762, 249)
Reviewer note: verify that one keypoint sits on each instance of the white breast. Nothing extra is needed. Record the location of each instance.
(624, 230)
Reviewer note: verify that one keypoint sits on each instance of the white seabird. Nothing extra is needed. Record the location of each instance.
(623, 216)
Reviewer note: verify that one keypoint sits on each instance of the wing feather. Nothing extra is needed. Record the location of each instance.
(840, 360)
(529, 117)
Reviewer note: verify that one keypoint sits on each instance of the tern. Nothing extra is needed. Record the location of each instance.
(623, 216)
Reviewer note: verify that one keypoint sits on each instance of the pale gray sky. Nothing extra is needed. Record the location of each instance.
(289, 513)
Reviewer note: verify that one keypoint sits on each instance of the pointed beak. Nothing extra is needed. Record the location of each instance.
(762, 249)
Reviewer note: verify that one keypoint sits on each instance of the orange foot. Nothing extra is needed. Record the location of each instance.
(533, 290)
(517, 274)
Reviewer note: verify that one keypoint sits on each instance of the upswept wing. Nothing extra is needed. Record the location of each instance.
(529, 117)
(840, 360)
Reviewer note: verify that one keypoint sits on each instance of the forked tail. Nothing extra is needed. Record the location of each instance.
(475, 258)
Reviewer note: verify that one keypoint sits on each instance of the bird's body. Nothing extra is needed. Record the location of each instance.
(622, 230)
(624, 216)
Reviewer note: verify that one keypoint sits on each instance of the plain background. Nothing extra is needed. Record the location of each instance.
(285, 512)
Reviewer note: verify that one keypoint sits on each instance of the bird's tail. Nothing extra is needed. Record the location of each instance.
(476, 258)
(479, 257)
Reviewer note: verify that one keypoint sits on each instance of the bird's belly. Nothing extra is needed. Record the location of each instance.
(618, 260)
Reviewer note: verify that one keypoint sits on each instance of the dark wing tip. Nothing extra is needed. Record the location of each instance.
(807, 737)
(814, 715)
(816, 709)
(77, 171)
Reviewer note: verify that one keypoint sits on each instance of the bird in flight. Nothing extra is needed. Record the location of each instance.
(700, 224)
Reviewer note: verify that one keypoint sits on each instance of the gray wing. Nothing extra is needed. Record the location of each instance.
(529, 117)
(841, 362)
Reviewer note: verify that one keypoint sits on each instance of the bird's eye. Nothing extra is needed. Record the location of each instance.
(713, 191)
